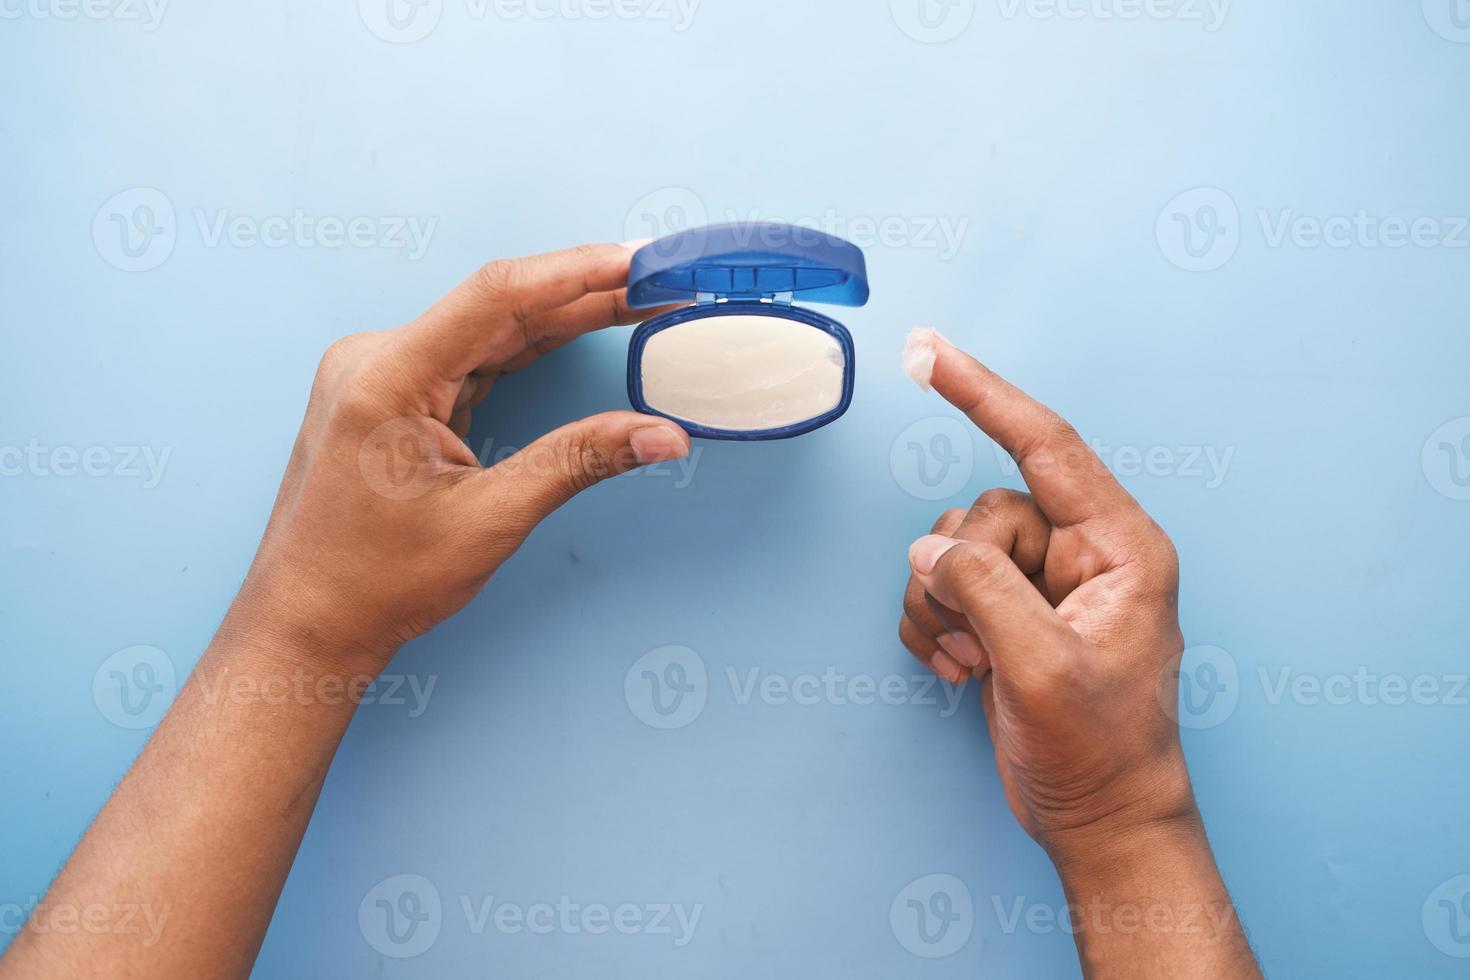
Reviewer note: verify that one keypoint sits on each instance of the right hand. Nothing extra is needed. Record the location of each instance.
(1063, 603)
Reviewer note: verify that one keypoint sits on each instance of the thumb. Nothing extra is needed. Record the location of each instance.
(525, 488)
(1012, 618)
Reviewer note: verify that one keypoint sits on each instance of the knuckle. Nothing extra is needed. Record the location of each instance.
(1158, 559)
(587, 462)
(914, 605)
(496, 279)
(998, 499)
(338, 355)
(1057, 428)
(912, 637)
(1053, 438)
(949, 520)
(978, 564)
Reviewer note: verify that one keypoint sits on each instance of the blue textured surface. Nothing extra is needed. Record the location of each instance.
(1014, 185)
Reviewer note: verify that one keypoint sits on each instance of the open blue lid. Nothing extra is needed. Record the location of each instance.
(748, 261)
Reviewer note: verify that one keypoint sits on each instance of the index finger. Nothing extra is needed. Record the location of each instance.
(487, 318)
(1069, 481)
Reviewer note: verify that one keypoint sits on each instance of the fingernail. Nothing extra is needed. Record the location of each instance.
(920, 351)
(657, 444)
(637, 243)
(946, 668)
(925, 553)
(962, 648)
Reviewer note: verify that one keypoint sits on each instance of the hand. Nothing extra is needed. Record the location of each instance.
(1064, 604)
(386, 523)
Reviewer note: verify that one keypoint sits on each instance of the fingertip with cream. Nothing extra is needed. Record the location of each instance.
(920, 351)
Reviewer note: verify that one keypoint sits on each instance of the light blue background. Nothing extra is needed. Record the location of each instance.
(1059, 143)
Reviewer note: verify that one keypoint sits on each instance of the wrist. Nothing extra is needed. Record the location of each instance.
(278, 628)
(1101, 856)
(1150, 808)
(251, 672)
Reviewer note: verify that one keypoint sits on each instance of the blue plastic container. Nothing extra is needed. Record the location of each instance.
(754, 269)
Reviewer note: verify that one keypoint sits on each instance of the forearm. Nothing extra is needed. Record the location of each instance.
(1150, 903)
(190, 853)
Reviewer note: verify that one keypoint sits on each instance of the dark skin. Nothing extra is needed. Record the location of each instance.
(1063, 603)
(386, 524)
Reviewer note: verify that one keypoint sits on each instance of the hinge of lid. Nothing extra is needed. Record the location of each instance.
(705, 298)
(784, 299)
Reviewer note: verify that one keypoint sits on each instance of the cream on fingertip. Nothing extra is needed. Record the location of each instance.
(920, 351)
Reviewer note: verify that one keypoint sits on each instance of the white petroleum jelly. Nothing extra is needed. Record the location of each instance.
(919, 354)
(745, 373)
